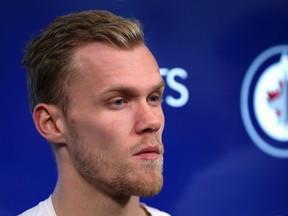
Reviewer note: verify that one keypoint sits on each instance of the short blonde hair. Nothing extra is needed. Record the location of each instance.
(48, 56)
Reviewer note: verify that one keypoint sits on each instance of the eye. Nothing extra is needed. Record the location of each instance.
(117, 104)
(155, 99)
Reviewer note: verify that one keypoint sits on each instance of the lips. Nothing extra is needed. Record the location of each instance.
(149, 153)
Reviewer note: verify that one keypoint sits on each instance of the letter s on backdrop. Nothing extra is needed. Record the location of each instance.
(173, 84)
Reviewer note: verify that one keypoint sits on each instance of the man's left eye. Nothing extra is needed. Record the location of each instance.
(154, 98)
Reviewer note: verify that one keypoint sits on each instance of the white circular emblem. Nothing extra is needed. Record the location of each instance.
(264, 101)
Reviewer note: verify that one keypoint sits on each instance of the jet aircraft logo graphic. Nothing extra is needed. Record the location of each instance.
(278, 99)
(264, 101)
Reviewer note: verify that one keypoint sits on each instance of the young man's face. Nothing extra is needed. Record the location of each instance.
(115, 120)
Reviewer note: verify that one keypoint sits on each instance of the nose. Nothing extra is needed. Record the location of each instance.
(149, 119)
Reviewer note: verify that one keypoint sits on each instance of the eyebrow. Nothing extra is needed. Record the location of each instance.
(131, 90)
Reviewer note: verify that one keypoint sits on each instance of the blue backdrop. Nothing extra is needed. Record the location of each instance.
(206, 49)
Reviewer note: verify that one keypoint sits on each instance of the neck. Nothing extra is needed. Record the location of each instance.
(73, 196)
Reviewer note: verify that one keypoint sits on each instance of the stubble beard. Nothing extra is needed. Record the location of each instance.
(116, 178)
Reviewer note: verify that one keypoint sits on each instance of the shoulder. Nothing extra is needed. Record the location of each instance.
(154, 211)
(44, 208)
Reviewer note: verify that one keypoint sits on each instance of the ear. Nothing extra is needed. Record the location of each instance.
(49, 122)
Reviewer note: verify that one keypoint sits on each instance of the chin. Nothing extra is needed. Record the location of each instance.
(150, 187)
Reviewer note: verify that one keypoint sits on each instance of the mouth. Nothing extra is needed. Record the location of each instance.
(148, 153)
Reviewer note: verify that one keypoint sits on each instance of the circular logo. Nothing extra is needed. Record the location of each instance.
(264, 101)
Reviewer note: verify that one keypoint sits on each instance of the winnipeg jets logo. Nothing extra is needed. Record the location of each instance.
(264, 101)
(278, 99)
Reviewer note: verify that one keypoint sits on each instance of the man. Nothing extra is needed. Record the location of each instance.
(95, 94)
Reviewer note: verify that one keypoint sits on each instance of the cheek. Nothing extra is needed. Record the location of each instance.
(106, 134)
(161, 116)
(103, 129)
(119, 123)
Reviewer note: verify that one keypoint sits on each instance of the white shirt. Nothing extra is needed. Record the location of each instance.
(45, 208)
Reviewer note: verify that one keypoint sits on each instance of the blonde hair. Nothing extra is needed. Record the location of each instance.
(48, 56)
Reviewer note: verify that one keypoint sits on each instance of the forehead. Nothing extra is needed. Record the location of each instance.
(106, 65)
(99, 54)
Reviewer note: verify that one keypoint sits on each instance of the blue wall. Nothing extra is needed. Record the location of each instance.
(204, 48)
